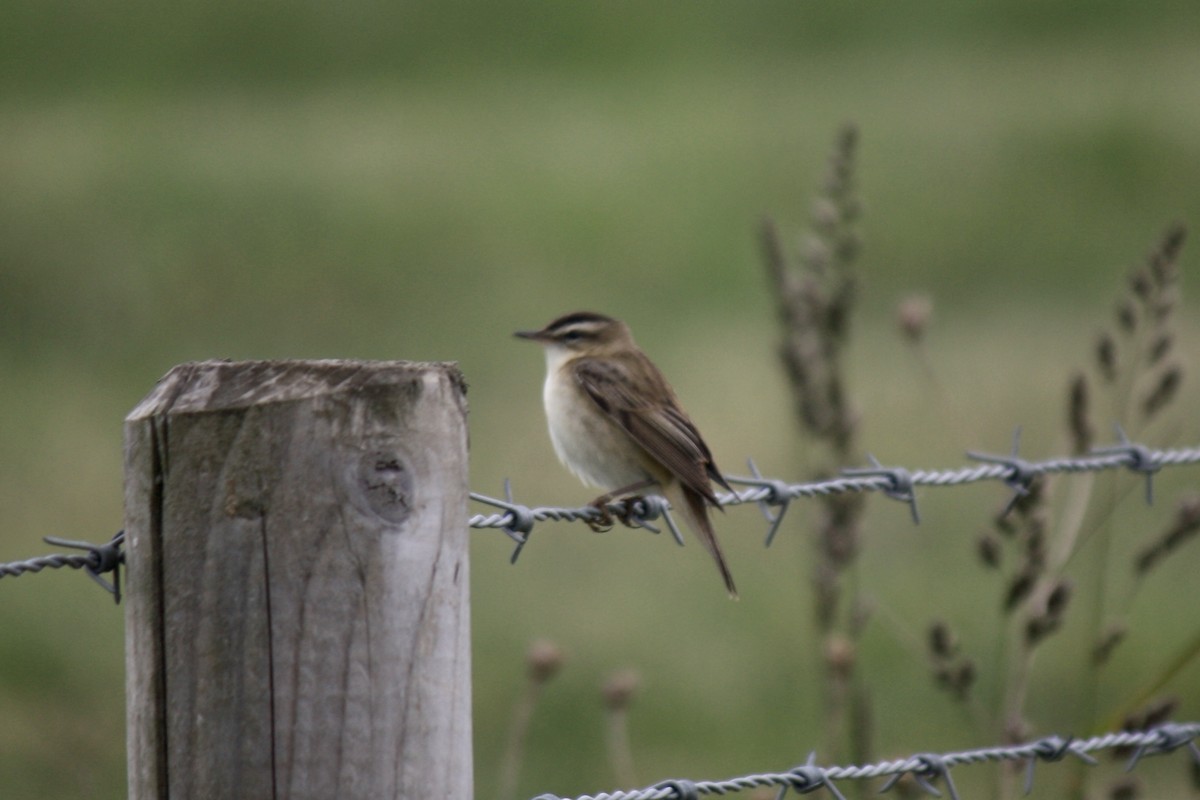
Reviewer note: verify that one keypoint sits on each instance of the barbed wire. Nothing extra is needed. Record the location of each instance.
(774, 496)
(925, 768)
(97, 560)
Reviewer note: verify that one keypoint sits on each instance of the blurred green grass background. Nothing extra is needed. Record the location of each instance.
(370, 180)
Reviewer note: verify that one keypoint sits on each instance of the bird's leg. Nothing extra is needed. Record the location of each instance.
(605, 522)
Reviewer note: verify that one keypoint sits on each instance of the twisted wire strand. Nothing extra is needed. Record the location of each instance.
(519, 520)
(40, 563)
(809, 777)
(97, 560)
(897, 482)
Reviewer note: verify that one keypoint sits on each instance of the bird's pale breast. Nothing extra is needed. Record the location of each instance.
(595, 449)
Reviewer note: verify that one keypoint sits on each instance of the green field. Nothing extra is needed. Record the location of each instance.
(281, 180)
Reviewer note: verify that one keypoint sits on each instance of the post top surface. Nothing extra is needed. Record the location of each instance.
(216, 385)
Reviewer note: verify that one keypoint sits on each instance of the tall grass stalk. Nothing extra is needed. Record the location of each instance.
(815, 292)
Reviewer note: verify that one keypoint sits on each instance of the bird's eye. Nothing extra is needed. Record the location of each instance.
(572, 336)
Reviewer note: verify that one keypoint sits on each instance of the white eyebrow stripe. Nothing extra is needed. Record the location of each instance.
(589, 328)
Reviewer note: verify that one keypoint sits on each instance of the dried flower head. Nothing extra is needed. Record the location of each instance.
(544, 660)
(619, 689)
(1113, 635)
(1163, 393)
(1126, 316)
(1017, 729)
(1018, 589)
(913, 315)
(1183, 527)
(1126, 788)
(988, 547)
(1160, 347)
(951, 671)
(1060, 596)
(942, 643)
(1106, 357)
(1049, 619)
(840, 655)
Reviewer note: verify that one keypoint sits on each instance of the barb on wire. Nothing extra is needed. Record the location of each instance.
(521, 519)
(777, 496)
(924, 768)
(99, 559)
(773, 496)
(1141, 459)
(1023, 473)
(899, 483)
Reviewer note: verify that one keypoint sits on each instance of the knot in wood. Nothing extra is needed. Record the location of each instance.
(384, 481)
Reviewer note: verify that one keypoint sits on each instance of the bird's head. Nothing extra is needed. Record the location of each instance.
(582, 333)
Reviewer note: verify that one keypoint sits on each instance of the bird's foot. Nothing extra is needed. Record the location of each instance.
(627, 513)
(604, 523)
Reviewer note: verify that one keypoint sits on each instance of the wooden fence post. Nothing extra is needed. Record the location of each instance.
(297, 620)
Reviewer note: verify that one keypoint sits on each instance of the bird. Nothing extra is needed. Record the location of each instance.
(617, 425)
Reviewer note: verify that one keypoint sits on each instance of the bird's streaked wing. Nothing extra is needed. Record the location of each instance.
(662, 428)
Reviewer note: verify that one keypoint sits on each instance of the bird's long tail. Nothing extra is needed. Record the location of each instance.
(694, 509)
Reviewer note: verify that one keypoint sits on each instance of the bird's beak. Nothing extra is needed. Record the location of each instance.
(535, 336)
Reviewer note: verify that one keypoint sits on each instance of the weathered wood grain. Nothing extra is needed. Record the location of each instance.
(297, 606)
